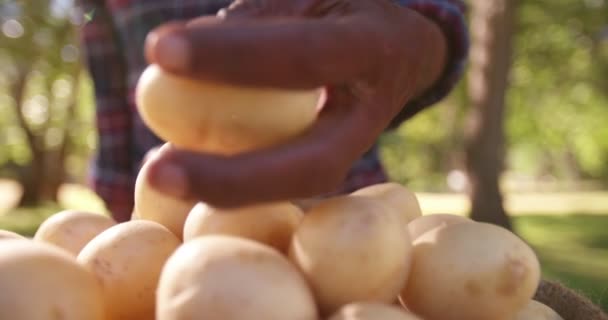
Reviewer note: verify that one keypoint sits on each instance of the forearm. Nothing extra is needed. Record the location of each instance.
(431, 53)
(444, 59)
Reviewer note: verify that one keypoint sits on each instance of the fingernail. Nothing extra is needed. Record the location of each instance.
(173, 52)
(171, 180)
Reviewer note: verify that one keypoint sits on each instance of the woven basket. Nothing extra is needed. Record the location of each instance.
(568, 303)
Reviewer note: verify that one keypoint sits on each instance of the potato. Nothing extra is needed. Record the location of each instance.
(419, 226)
(71, 230)
(372, 311)
(271, 223)
(222, 118)
(127, 260)
(6, 235)
(42, 282)
(470, 271)
(156, 206)
(535, 310)
(232, 278)
(395, 196)
(352, 248)
(307, 203)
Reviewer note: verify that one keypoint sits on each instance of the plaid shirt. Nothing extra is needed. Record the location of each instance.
(113, 40)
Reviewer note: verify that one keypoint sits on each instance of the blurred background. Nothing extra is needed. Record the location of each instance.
(521, 142)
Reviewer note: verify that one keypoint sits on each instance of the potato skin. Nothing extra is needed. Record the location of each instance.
(352, 248)
(421, 225)
(127, 260)
(535, 310)
(155, 206)
(394, 195)
(41, 281)
(221, 118)
(372, 311)
(272, 224)
(232, 278)
(470, 271)
(6, 235)
(71, 230)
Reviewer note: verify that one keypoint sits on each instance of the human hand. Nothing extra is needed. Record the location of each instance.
(150, 154)
(372, 56)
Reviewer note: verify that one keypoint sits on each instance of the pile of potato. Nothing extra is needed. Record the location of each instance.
(368, 255)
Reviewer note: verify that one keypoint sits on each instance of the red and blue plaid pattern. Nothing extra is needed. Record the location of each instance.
(113, 41)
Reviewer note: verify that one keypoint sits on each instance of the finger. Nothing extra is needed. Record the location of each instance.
(314, 164)
(288, 53)
(150, 153)
(168, 49)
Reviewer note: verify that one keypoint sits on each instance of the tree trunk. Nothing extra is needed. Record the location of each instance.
(491, 29)
(29, 175)
(56, 158)
(42, 177)
(30, 180)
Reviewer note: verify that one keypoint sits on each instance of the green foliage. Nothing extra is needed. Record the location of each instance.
(573, 249)
(82, 133)
(42, 50)
(416, 153)
(557, 103)
(26, 221)
(556, 107)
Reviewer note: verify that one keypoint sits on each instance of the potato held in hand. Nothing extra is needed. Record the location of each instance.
(221, 118)
(155, 206)
(272, 224)
(352, 248)
(473, 271)
(40, 281)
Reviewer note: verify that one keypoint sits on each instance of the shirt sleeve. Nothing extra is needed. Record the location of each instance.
(111, 175)
(450, 16)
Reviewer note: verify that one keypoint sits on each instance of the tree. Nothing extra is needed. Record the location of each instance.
(39, 50)
(492, 25)
(558, 91)
(554, 114)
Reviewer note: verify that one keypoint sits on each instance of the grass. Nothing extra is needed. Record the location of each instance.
(25, 221)
(572, 247)
(518, 203)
